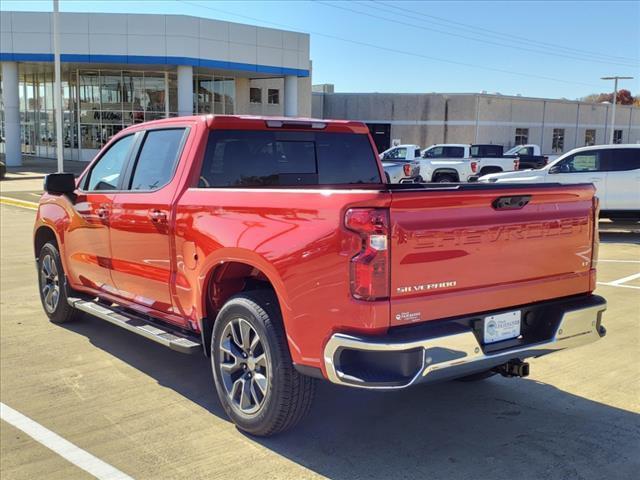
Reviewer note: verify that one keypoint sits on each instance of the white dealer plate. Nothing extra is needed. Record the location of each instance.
(502, 327)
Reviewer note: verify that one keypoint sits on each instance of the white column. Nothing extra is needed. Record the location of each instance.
(11, 100)
(185, 90)
(291, 96)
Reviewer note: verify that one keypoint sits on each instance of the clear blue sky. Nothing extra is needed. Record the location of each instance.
(397, 46)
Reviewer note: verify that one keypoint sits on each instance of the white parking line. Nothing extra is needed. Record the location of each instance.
(620, 281)
(618, 286)
(619, 261)
(62, 447)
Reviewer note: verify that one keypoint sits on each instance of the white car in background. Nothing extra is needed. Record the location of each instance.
(613, 169)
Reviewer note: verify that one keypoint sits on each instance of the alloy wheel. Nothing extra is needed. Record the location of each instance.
(244, 366)
(49, 283)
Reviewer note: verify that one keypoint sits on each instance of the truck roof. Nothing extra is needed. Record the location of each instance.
(255, 122)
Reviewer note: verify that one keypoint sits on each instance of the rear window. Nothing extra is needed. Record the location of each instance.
(246, 158)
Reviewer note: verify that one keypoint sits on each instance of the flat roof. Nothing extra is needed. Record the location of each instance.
(154, 39)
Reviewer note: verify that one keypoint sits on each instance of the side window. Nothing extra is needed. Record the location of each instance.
(435, 152)
(455, 152)
(582, 162)
(624, 159)
(157, 159)
(397, 154)
(106, 173)
(416, 153)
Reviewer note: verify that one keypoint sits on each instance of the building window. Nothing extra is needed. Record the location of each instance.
(522, 136)
(617, 136)
(273, 96)
(590, 137)
(255, 95)
(557, 144)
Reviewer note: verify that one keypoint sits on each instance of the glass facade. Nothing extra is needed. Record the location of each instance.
(213, 94)
(98, 103)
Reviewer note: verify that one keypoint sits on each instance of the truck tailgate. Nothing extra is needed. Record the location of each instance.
(456, 251)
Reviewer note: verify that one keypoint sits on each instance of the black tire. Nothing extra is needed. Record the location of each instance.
(489, 171)
(53, 285)
(445, 178)
(476, 377)
(288, 394)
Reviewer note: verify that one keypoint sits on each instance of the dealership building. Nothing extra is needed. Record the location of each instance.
(424, 119)
(122, 69)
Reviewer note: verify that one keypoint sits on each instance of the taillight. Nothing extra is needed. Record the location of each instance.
(369, 268)
(516, 164)
(407, 169)
(474, 167)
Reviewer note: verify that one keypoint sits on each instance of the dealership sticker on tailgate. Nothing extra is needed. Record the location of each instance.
(502, 326)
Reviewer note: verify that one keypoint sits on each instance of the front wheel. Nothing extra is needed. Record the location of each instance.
(252, 369)
(53, 287)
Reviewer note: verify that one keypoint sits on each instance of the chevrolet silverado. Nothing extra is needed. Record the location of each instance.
(276, 247)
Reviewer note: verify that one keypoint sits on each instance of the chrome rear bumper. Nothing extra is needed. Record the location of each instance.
(460, 353)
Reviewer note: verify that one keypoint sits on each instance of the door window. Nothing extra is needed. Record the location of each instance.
(624, 159)
(581, 162)
(157, 159)
(107, 171)
(454, 152)
(396, 154)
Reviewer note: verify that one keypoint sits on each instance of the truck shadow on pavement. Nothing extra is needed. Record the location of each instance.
(494, 429)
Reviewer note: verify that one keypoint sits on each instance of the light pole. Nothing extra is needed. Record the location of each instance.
(615, 100)
(57, 94)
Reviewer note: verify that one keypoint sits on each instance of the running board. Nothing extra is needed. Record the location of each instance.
(162, 334)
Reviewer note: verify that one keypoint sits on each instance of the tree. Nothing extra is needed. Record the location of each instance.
(624, 97)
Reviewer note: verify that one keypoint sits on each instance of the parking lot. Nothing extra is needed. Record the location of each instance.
(151, 413)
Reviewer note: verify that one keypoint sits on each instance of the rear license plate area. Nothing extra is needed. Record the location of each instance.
(504, 326)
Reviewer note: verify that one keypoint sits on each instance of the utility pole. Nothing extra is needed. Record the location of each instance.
(615, 100)
(57, 88)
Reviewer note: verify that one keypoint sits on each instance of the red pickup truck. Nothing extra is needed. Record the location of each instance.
(275, 246)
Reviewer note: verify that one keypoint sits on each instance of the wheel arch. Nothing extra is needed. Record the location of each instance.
(232, 275)
(44, 234)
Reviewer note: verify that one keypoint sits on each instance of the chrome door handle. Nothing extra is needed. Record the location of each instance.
(158, 216)
(102, 212)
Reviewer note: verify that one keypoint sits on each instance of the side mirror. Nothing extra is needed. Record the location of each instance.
(60, 183)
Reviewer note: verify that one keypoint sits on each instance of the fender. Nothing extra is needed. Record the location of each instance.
(250, 258)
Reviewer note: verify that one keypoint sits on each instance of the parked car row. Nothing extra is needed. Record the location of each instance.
(613, 169)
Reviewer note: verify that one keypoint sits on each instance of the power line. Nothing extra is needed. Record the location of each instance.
(509, 36)
(388, 49)
(467, 37)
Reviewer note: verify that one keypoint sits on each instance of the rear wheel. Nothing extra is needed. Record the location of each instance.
(252, 369)
(53, 286)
